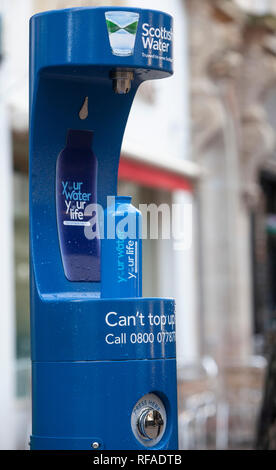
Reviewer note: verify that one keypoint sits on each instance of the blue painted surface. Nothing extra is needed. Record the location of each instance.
(87, 366)
(75, 330)
(94, 401)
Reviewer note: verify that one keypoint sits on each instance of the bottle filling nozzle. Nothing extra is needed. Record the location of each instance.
(122, 79)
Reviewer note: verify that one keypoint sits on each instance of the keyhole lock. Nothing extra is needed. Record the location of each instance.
(150, 424)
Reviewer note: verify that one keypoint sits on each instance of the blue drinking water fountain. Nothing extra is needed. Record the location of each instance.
(103, 357)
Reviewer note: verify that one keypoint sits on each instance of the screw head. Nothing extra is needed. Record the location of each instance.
(95, 445)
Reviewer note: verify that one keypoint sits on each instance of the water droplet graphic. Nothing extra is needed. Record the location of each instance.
(83, 114)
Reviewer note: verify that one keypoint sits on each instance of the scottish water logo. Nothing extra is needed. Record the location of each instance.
(122, 28)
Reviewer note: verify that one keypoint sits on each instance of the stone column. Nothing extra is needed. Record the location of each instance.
(225, 230)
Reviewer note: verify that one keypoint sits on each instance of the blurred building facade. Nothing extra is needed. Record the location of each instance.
(214, 150)
(232, 65)
(232, 98)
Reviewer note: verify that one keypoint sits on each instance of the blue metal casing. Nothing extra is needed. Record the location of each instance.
(92, 360)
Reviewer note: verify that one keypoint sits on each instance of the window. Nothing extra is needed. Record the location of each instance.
(21, 257)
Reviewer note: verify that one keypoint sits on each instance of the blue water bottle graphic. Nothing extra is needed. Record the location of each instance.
(122, 250)
(76, 188)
